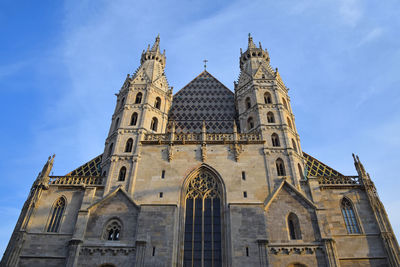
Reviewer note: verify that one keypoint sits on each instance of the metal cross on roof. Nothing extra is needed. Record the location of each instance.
(205, 63)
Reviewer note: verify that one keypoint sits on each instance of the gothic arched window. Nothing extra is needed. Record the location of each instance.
(134, 118)
(349, 217)
(280, 167)
(153, 125)
(294, 145)
(275, 140)
(293, 226)
(284, 103)
(250, 123)
(128, 146)
(112, 231)
(110, 150)
(116, 124)
(289, 122)
(267, 98)
(202, 240)
(56, 215)
(157, 103)
(270, 117)
(248, 103)
(122, 174)
(138, 99)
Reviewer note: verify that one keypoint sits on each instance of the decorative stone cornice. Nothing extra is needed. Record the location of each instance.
(284, 250)
(107, 250)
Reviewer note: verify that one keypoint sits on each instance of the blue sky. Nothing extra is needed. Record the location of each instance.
(62, 62)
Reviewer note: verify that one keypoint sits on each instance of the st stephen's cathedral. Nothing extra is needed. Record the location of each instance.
(204, 177)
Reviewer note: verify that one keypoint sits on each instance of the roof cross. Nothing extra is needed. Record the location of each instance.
(205, 63)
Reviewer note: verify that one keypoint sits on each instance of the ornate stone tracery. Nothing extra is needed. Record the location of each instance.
(202, 239)
(203, 185)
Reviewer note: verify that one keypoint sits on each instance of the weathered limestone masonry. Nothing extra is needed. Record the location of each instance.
(207, 177)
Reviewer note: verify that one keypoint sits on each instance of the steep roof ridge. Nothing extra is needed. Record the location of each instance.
(198, 76)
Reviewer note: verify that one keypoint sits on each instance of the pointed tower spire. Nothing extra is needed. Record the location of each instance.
(156, 45)
(252, 57)
(152, 59)
(359, 166)
(251, 43)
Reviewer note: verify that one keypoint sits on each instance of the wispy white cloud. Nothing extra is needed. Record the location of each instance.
(351, 11)
(372, 35)
(365, 95)
(102, 41)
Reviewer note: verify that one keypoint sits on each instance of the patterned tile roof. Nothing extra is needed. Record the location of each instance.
(317, 168)
(203, 99)
(314, 168)
(91, 168)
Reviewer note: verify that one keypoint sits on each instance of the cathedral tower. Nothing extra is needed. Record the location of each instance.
(263, 105)
(223, 187)
(142, 107)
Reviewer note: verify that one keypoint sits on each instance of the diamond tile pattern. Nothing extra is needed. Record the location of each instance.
(203, 99)
(317, 168)
(91, 168)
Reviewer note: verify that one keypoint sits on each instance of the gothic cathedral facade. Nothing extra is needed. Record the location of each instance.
(205, 177)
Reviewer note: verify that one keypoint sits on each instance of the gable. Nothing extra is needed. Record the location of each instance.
(203, 99)
(285, 202)
(287, 189)
(117, 205)
(113, 197)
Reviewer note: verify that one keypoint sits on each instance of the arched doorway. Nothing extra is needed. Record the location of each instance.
(203, 204)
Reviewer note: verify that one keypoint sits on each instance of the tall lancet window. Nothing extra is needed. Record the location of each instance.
(56, 215)
(202, 245)
(349, 217)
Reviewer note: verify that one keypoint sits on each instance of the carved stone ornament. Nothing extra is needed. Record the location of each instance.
(237, 150)
(293, 250)
(203, 152)
(170, 152)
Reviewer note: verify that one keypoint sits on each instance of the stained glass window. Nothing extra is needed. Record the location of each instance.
(349, 217)
(202, 240)
(56, 216)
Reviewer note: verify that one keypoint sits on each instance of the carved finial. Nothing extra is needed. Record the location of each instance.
(156, 45)
(359, 166)
(173, 127)
(259, 44)
(234, 127)
(251, 43)
(241, 52)
(43, 178)
(203, 128)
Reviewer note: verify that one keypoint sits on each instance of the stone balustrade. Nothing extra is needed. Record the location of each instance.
(76, 180)
(339, 180)
(195, 138)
